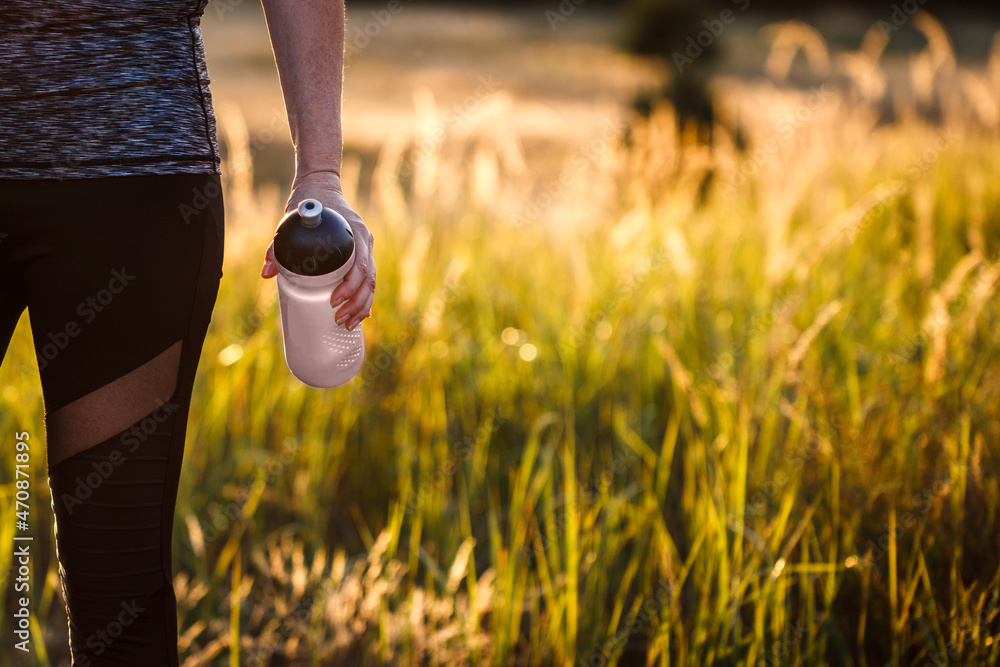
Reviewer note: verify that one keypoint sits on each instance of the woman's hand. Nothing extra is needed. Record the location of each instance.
(357, 292)
(307, 37)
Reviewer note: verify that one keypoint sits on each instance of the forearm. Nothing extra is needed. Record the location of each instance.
(307, 37)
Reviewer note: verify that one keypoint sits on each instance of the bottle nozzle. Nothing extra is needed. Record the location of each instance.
(311, 212)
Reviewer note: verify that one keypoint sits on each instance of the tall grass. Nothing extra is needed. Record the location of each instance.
(695, 405)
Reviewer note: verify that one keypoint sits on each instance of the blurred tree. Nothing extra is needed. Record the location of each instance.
(661, 27)
(676, 32)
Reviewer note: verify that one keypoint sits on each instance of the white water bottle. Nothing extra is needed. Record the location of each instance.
(314, 249)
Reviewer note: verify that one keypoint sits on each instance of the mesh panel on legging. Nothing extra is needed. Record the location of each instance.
(113, 407)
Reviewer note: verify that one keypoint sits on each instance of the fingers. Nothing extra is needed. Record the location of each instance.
(365, 311)
(357, 292)
(270, 268)
(352, 292)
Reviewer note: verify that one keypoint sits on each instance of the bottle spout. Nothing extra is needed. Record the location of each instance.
(311, 212)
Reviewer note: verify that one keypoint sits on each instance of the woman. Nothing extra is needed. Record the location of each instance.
(111, 235)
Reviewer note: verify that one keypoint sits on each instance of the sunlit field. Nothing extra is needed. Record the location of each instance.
(641, 394)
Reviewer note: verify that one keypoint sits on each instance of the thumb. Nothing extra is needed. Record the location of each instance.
(270, 268)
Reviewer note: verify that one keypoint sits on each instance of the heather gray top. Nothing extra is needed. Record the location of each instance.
(92, 88)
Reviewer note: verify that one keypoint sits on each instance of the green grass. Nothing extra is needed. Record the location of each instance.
(741, 435)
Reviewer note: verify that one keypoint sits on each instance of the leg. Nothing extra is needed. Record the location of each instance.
(120, 302)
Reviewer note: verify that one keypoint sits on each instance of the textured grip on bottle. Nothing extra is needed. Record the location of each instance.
(347, 345)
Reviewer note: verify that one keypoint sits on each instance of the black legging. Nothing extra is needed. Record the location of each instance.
(119, 276)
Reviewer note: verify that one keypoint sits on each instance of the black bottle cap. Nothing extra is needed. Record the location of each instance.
(313, 240)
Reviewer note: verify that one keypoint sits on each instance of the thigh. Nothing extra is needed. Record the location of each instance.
(115, 280)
